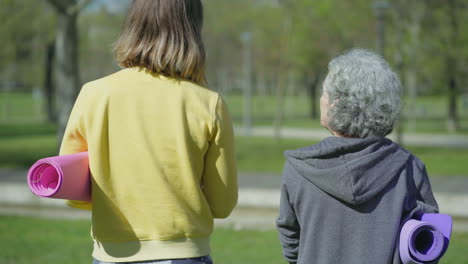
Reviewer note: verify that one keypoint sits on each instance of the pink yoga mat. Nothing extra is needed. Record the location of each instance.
(62, 177)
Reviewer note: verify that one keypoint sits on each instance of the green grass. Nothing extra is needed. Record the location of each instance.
(429, 106)
(29, 240)
(22, 145)
(265, 106)
(423, 126)
(41, 241)
(443, 161)
(266, 155)
(246, 246)
(434, 126)
(26, 129)
(20, 107)
(25, 240)
(431, 111)
(23, 151)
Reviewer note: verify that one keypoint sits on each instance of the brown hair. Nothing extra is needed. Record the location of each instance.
(164, 36)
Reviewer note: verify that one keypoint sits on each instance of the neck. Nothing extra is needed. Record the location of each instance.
(336, 134)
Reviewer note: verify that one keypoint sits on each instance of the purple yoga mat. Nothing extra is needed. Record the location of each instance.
(62, 177)
(426, 239)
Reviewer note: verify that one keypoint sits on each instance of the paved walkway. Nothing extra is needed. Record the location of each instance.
(435, 140)
(258, 200)
(271, 181)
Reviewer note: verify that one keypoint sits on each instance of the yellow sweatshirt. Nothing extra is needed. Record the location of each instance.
(161, 155)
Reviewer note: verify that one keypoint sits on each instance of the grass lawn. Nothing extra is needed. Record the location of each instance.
(22, 145)
(423, 126)
(22, 107)
(266, 155)
(23, 151)
(26, 129)
(25, 240)
(436, 106)
(431, 111)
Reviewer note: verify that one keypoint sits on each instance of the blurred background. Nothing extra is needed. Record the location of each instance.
(268, 58)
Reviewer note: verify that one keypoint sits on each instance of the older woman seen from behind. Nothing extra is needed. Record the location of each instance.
(344, 199)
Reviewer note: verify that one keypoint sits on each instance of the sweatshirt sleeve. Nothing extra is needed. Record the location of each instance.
(288, 227)
(425, 197)
(220, 174)
(420, 198)
(74, 138)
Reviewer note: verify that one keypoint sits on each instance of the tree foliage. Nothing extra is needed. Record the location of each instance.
(292, 38)
(26, 26)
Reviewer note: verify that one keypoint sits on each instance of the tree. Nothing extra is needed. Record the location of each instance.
(66, 53)
(408, 18)
(452, 65)
(284, 71)
(49, 85)
(23, 43)
(429, 50)
(323, 29)
(448, 47)
(99, 29)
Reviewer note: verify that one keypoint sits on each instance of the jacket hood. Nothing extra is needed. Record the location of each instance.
(353, 170)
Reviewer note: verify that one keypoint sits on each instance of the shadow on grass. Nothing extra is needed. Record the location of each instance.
(23, 144)
(23, 151)
(23, 239)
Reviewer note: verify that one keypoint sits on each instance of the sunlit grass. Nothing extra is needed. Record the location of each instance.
(266, 155)
(25, 240)
(23, 151)
(22, 145)
(431, 111)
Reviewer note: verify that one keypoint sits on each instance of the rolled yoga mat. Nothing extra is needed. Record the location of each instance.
(62, 177)
(425, 240)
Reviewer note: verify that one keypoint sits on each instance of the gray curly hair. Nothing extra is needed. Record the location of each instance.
(364, 94)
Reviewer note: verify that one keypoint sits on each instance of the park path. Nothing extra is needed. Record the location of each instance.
(258, 192)
(257, 208)
(436, 140)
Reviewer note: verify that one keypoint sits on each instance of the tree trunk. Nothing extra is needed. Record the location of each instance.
(246, 38)
(451, 64)
(67, 78)
(411, 73)
(380, 8)
(400, 66)
(453, 124)
(49, 85)
(313, 94)
(283, 69)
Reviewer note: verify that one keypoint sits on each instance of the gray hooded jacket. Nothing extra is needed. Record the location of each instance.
(344, 200)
